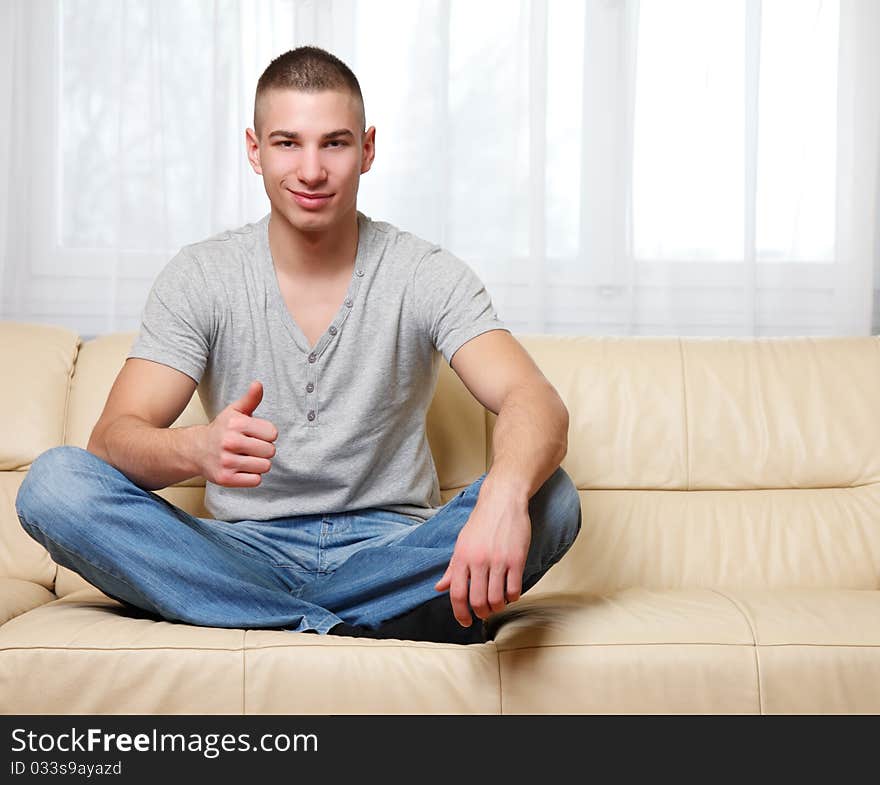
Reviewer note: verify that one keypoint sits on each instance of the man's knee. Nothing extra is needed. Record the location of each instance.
(55, 479)
(558, 504)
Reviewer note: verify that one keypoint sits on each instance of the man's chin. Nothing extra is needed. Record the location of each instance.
(305, 221)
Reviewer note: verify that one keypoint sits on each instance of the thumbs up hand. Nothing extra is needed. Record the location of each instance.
(236, 448)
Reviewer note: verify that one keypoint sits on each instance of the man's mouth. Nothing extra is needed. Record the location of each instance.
(312, 200)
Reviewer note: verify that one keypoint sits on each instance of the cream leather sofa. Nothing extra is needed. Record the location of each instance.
(728, 560)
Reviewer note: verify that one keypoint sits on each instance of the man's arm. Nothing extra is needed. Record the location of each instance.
(133, 432)
(529, 442)
(530, 438)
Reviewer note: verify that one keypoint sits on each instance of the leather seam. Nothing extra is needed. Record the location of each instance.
(375, 643)
(410, 645)
(500, 682)
(748, 621)
(244, 673)
(65, 430)
(687, 449)
(622, 645)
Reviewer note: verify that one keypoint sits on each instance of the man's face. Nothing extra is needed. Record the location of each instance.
(312, 144)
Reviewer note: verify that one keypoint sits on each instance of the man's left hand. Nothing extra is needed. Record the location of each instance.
(491, 552)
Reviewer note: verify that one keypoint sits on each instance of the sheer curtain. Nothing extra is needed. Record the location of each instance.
(643, 167)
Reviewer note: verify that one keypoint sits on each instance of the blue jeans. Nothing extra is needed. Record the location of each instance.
(306, 572)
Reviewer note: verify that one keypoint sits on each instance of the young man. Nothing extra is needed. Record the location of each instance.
(326, 504)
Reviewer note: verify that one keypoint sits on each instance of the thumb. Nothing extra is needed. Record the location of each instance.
(250, 400)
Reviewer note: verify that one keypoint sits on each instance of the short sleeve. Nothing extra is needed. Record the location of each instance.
(452, 302)
(178, 319)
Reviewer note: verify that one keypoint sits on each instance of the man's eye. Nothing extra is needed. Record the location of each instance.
(337, 142)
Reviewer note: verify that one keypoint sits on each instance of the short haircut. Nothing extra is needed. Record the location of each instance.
(310, 70)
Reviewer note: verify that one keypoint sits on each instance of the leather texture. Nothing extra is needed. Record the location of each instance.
(728, 561)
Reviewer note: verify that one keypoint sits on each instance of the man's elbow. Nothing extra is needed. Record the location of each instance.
(561, 422)
(96, 448)
(93, 440)
(96, 444)
(564, 420)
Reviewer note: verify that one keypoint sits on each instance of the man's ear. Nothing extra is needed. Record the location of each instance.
(369, 149)
(253, 150)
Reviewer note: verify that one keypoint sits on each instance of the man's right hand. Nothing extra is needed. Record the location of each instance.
(236, 449)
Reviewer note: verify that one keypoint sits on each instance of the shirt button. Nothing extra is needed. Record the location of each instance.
(310, 387)
(348, 302)
(332, 330)
(359, 273)
(313, 357)
(311, 416)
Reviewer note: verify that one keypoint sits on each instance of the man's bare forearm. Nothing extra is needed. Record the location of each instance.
(529, 441)
(150, 457)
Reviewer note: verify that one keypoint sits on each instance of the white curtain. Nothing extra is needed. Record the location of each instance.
(643, 167)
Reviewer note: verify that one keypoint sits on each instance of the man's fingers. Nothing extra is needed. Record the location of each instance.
(497, 580)
(443, 583)
(242, 480)
(458, 594)
(258, 448)
(260, 429)
(480, 591)
(514, 585)
(235, 464)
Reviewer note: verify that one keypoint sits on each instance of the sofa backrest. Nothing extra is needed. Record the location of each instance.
(709, 462)
(700, 461)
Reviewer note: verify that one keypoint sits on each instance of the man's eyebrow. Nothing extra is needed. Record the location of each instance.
(332, 135)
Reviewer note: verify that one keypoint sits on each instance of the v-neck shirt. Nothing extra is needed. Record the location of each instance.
(277, 298)
(350, 410)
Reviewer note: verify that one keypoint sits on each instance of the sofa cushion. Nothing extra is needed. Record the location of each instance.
(818, 651)
(716, 413)
(792, 412)
(635, 651)
(365, 676)
(88, 654)
(18, 597)
(771, 538)
(694, 651)
(626, 408)
(39, 359)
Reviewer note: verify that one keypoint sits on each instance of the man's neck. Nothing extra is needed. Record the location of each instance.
(316, 256)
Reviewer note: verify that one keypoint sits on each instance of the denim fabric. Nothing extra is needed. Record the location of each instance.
(306, 572)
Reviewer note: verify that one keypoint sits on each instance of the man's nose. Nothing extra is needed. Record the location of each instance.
(311, 168)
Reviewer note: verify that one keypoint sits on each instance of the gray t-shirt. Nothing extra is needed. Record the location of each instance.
(350, 411)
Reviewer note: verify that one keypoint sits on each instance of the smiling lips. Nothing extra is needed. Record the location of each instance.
(311, 201)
